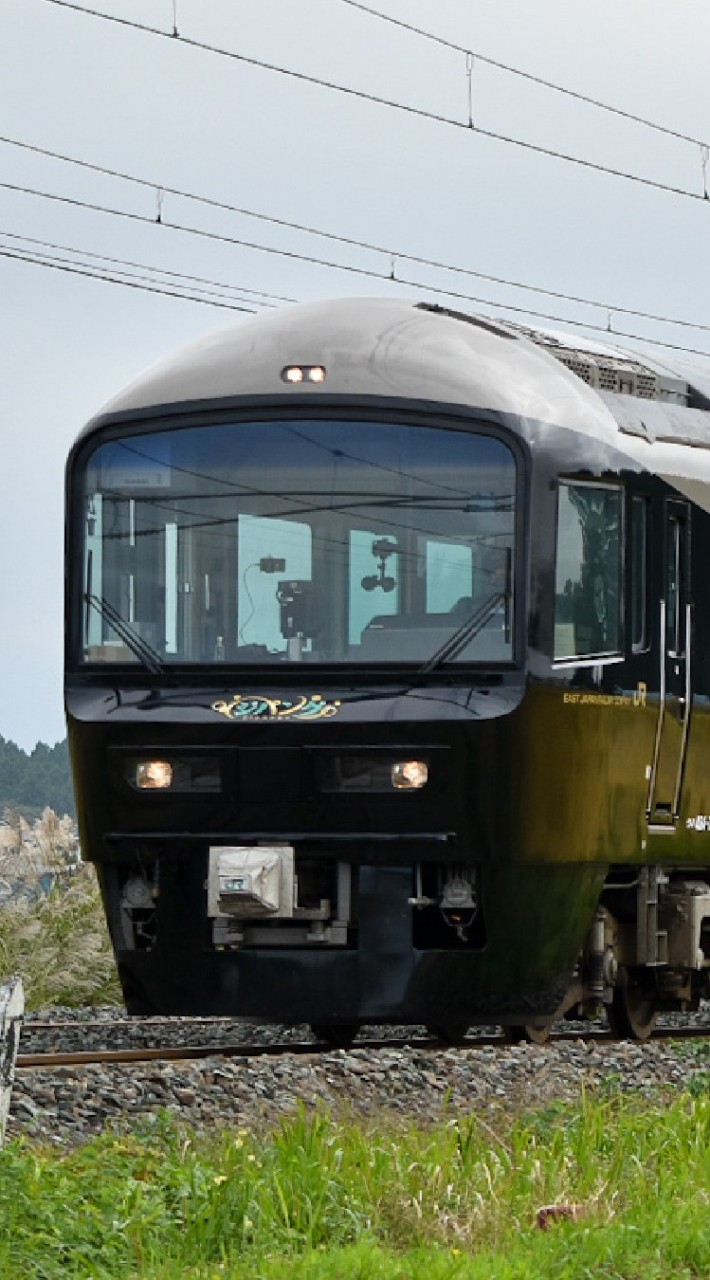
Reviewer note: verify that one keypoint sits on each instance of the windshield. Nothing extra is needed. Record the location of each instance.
(333, 542)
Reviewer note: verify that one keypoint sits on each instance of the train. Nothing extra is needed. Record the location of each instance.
(387, 674)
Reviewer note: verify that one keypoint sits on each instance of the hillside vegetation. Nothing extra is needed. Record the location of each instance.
(29, 782)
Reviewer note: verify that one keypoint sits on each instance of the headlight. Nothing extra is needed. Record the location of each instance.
(372, 773)
(197, 774)
(295, 373)
(154, 775)
(409, 775)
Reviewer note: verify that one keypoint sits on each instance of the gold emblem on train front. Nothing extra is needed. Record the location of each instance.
(254, 707)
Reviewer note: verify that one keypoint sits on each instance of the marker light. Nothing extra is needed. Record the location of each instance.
(154, 775)
(409, 775)
(296, 373)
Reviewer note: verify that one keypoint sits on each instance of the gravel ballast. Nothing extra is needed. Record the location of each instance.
(65, 1105)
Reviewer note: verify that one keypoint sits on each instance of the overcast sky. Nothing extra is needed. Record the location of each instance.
(176, 115)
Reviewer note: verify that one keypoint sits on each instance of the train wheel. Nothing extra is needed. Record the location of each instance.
(339, 1035)
(449, 1032)
(529, 1032)
(632, 1013)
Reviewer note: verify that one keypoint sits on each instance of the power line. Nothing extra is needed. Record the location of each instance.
(377, 100)
(152, 287)
(258, 295)
(525, 75)
(201, 232)
(82, 269)
(494, 304)
(393, 256)
(610, 334)
(161, 190)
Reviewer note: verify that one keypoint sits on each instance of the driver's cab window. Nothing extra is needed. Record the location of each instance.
(287, 541)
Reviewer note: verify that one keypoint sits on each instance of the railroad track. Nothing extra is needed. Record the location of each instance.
(187, 1053)
(196, 1052)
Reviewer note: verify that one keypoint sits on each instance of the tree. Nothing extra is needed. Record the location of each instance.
(31, 782)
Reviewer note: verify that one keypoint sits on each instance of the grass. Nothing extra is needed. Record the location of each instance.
(321, 1198)
(333, 1199)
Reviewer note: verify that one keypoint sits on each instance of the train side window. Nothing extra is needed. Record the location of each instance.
(639, 574)
(588, 571)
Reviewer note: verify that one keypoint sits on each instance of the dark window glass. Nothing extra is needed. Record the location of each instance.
(675, 584)
(588, 571)
(639, 574)
(300, 541)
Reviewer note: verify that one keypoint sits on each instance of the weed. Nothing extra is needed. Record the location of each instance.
(52, 928)
(322, 1198)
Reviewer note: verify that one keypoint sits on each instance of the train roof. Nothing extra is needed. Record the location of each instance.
(379, 347)
(395, 349)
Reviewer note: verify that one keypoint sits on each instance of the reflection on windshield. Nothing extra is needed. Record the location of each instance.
(299, 541)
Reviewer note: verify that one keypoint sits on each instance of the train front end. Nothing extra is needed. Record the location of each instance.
(295, 660)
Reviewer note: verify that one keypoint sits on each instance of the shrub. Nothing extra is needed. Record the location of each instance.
(52, 928)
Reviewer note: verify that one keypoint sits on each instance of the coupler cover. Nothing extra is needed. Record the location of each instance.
(251, 880)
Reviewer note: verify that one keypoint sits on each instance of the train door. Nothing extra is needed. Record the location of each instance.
(675, 687)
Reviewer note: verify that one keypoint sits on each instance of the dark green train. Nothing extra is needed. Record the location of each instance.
(388, 674)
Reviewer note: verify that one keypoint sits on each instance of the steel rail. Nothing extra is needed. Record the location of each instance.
(194, 1053)
(188, 1053)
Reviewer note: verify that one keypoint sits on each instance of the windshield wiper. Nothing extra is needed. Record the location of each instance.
(128, 634)
(463, 634)
(471, 626)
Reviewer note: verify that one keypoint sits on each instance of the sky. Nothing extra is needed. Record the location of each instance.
(173, 114)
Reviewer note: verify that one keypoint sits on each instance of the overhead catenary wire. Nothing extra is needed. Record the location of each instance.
(178, 277)
(524, 75)
(371, 273)
(377, 100)
(393, 255)
(200, 232)
(76, 268)
(495, 304)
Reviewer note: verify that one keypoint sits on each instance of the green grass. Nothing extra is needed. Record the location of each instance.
(334, 1199)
